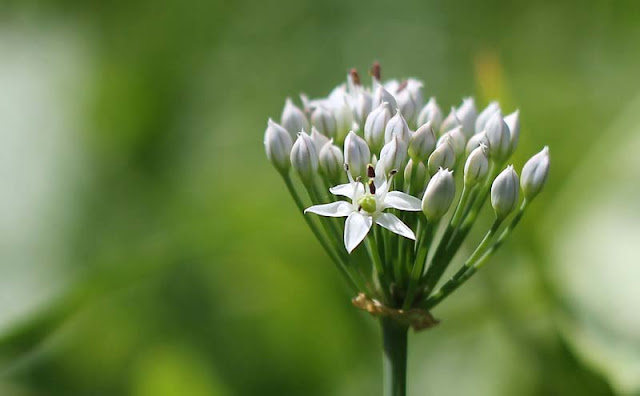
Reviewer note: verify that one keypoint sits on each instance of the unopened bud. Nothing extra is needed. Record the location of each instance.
(439, 195)
(324, 121)
(450, 122)
(485, 114)
(431, 112)
(416, 175)
(362, 106)
(293, 119)
(457, 140)
(535, 173)
(344, 118)
(476, 167)
(410, 99)
(304, 158)
(467, 114)
(513, 122)
(277, 144)
(442, 157)
(392, 156)
(422, 143)
(356, 154)
(380, 96)
(319, 140)
(375, 125)
(331, 162)
(505, 192)
(476, 141)
(397, 126)
(499, 138)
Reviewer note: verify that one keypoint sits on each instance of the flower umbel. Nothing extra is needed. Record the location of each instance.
(414, 185)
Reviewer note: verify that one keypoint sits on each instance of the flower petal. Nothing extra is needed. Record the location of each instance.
(394, 224)
(346, 190)
(402, 201)
(355, 230)
(333, 209)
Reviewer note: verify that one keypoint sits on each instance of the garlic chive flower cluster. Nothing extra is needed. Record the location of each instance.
(409, 180)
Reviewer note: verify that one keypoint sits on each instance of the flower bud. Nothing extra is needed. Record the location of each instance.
(293, 119)
(457, 140)
(380, 96)
(344, 118)
(375, 125)
(304, 158)
(513, 122)
(476, 167)
(392, 156)
(420, 177)
(499, 138)
(439, 195)
(467, 114)
(485, 114)
(356, 154)
(362, 106)
(397, 126)
(410, 99)
(505, 192)
(450, 122)
(431, 112)
(324, 121)
(422, 143)
(475, 142)
(319, 140)
(534, 173)
(277, 144)
(442, 157)
(331, 162)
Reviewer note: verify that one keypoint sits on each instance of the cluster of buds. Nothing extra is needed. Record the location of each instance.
(390, 162)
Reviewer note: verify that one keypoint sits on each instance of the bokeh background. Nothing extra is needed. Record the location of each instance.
(148, 248)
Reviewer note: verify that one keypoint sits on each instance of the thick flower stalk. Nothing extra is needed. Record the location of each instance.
(410, 185)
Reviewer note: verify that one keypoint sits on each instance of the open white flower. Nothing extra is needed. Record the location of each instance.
(367, 207)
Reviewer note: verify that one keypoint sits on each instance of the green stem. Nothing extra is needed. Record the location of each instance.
(342, 267)
(472, 265)
(394, 358)
(418, 265)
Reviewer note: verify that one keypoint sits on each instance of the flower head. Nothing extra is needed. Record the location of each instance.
(368, 202)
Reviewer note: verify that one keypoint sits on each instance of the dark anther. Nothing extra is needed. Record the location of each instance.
(375, 70)
(402, 86)
(346, 167)
(355, 76)
(371, 173)
(372, 187)
(393, 172)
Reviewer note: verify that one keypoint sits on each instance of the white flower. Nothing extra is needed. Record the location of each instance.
(367, 207)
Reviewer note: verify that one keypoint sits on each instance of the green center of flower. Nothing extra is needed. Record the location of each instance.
(368, 203)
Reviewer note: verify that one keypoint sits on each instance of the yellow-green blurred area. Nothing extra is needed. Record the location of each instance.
(148, 248)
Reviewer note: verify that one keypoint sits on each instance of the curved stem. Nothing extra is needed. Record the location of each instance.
(355, 286)
(394, 357)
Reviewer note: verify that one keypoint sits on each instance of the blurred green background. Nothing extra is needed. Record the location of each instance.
(148, 248)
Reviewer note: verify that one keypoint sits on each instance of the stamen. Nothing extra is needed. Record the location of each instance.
(393, 172)
(375, 70)
(372, 187)
(355, 77)
(371, 172)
